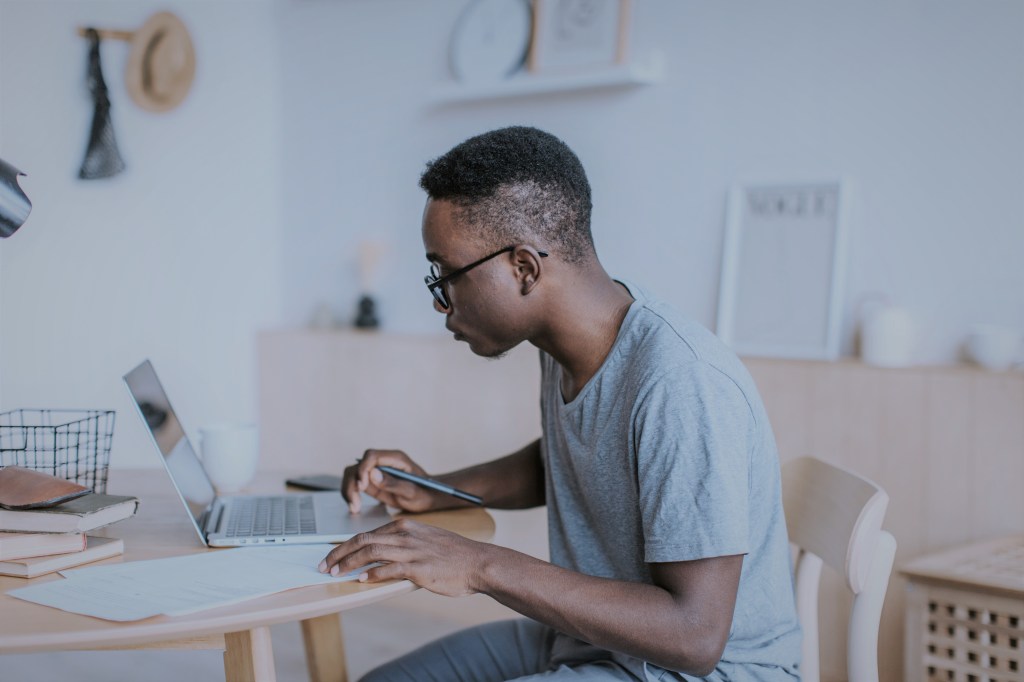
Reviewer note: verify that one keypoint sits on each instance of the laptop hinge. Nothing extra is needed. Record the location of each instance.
(215, 526)
(205, 518)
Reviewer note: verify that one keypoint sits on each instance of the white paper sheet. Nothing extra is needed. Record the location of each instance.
(185, 584)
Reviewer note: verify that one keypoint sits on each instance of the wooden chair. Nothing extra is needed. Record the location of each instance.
(834, 516)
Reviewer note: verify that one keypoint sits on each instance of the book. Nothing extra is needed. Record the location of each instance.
(22, 488)
(24, 545)
(96, 549)
(76, 516)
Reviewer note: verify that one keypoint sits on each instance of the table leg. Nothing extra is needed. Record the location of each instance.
(249, 656)
(325, 651)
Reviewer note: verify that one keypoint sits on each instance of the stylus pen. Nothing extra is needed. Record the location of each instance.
(430, 483)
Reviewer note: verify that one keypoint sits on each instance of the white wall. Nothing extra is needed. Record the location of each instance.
(1, 259)
(176, 259)
(310, 121)
(921, 104)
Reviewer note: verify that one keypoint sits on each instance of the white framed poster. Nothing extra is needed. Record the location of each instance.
(783, 266)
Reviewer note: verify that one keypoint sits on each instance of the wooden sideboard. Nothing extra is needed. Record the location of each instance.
(947, 443)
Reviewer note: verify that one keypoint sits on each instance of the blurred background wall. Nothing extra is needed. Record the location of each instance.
(310, 120)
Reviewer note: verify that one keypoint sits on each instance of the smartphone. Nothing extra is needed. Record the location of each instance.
(316, 482)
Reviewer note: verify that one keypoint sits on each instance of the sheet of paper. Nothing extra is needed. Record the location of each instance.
(179, 585)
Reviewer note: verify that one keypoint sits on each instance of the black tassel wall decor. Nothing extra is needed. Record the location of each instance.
(102, 159)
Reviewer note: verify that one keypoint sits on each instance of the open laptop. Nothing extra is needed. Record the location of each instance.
(240, 519)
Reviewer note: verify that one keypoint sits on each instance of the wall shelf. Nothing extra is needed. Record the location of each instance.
(525, 84)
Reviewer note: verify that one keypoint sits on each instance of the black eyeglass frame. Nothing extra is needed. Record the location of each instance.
(435, 283)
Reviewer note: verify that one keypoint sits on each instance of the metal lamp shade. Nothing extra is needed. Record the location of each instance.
(14, 204)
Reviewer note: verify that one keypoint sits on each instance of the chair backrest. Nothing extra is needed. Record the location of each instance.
(834, 516)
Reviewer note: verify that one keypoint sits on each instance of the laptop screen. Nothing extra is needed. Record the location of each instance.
(181, 461)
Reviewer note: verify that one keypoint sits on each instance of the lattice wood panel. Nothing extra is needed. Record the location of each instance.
(965, 620)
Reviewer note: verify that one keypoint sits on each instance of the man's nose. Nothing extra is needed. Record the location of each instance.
(440, 309)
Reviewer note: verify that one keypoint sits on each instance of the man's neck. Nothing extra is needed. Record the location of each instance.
(583, 327)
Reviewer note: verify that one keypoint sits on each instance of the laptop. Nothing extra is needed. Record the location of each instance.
(239, 520)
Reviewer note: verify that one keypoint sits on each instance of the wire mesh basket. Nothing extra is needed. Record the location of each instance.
(69, 444)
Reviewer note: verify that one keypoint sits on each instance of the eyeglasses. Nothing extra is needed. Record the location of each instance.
(435, 282)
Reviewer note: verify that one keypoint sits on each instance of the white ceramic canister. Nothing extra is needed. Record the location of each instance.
(888, 337)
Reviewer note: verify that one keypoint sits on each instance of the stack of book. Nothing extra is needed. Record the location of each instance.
(37, 538)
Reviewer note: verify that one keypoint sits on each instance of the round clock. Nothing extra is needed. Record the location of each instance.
(491, 39)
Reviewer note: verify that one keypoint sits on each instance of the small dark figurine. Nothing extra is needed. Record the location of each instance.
(366, 318)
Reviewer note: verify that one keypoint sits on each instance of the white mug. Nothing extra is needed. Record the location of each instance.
(230, 454)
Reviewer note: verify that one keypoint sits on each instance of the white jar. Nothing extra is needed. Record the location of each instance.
(888, 337)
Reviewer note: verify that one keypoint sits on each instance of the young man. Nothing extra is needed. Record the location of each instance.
(669, 556)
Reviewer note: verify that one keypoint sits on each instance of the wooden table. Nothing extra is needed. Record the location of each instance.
(161, 529)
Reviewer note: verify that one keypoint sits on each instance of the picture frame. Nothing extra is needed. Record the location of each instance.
(783, 269)
(571, 35)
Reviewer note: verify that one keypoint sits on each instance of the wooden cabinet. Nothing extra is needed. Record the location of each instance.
(965, 613)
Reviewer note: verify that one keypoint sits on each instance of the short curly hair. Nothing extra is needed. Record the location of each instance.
(516, 185)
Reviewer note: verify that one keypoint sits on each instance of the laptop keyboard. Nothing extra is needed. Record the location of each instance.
(257, 517)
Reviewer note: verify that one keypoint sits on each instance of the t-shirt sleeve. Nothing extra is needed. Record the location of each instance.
(693, 437)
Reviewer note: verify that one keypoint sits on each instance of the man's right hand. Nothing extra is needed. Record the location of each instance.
(364, 477)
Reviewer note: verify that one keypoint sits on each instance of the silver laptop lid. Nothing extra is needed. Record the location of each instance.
(179, 458)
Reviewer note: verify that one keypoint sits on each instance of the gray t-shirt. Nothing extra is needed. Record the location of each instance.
(667, 455)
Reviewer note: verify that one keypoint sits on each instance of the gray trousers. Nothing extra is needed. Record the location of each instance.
(501, 651)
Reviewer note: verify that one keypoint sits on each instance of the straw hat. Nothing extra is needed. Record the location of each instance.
(161, 63)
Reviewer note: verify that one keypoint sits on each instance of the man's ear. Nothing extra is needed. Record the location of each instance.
(527, 261)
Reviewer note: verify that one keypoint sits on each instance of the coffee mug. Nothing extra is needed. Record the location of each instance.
(230, 454)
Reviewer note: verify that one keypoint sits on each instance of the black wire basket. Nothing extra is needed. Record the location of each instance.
(69, 444)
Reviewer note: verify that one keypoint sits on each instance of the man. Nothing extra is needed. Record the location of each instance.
(669, 556)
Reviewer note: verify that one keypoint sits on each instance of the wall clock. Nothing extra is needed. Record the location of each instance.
(491, 40)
